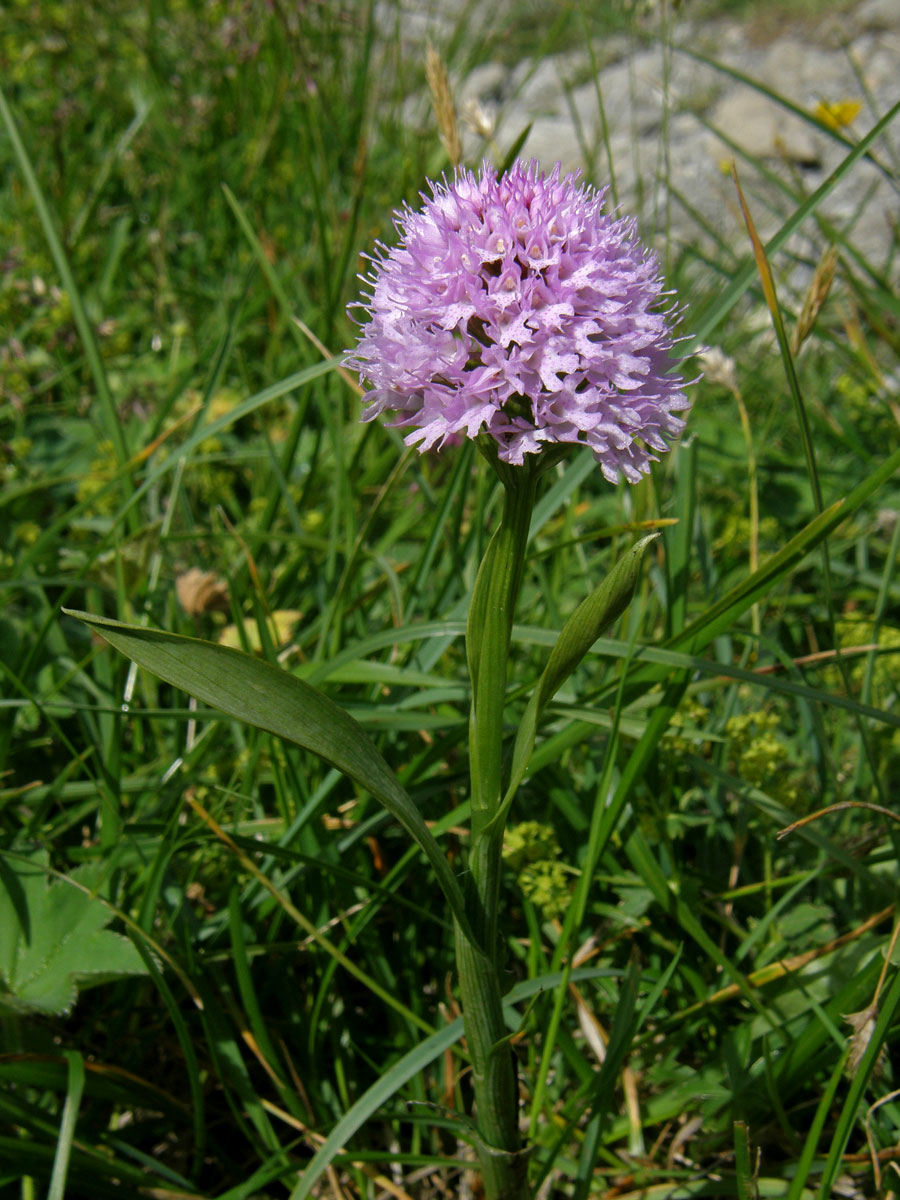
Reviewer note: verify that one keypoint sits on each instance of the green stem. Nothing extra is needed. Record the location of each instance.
(503, 1162)
(489, 628)
(488, 633)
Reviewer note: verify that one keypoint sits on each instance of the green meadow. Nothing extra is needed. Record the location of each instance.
(225, 972)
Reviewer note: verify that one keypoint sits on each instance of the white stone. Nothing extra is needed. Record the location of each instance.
(807, 74)
(553, 140)
(876, 15)
(540, 91)
(879, 61)
(693, 84)
(764, 129)
(485, 82)
(657, 105)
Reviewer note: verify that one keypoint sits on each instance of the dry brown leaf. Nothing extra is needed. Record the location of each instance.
(201, 591)
(863, 1025)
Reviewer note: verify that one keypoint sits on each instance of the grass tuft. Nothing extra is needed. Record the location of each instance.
(186, 195)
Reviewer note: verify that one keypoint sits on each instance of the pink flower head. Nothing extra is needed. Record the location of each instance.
(515, 307)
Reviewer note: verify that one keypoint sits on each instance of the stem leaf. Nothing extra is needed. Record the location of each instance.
(269, 698)
(589, 620)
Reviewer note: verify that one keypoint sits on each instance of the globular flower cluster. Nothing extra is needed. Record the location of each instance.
(513, 306)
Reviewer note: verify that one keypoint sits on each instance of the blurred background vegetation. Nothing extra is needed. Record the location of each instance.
(175, 448)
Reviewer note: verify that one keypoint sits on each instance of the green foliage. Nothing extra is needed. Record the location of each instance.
(260, 694)
(53, 936)
(651, 903)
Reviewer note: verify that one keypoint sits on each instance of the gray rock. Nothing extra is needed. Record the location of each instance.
(876, 15)
(805, 73)
(658, 102)
(541, 88)
(554, 140)
(694, 85)
(763, 129)
(878, 59)
(485, 83)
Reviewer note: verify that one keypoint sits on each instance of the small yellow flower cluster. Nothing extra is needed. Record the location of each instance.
(885, 671)
(760, 757)
(533, 851)
(27, 533)
(547, 885)
(529, 842)
(683, 739)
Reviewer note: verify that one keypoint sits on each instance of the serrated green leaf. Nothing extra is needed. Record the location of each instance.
(270, 698)
(53, 937)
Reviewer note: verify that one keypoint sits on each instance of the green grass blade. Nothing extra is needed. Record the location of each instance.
(142, 111)
(111, 423)
(185, 1041)
(405, 1068)
(251, 1005)
(593, 617)
(621, 1034)
(768, 286)
(746, 1183)
(562, 954)
(642, 858)
(583, 464)
(258, 400)
(743, 277)
(722, 615)
(268, 698)
(804, 114)
(264, 264)
(74, 1090)
(863, 1073)
(811, 1142)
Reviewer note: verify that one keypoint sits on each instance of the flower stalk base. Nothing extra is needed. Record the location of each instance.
(489, 628)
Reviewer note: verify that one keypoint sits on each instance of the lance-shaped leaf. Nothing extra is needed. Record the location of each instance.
(588, 622)
(269, 698)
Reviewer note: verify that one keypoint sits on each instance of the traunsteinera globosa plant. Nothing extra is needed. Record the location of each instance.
(515, 312)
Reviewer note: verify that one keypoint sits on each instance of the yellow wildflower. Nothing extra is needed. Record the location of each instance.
(838, 114)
